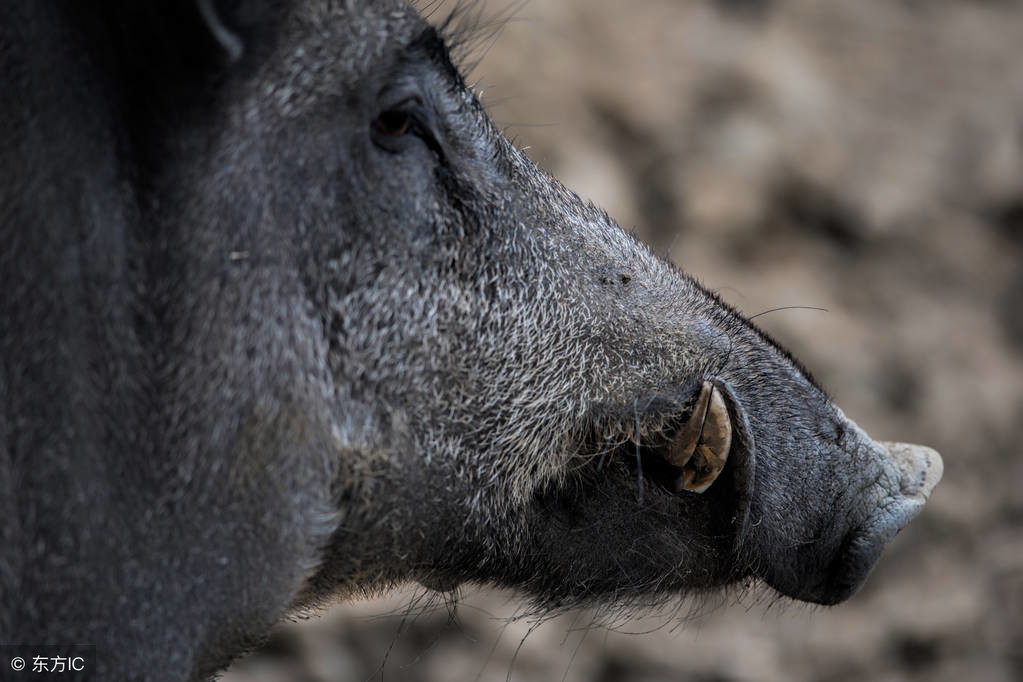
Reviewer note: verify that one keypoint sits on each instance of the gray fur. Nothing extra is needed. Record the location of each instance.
(253, 360)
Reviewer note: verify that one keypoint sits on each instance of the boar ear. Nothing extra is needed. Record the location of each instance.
(189, 37)
(231, 25)
(215, 19)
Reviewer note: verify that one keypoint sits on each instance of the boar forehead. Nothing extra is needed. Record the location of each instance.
(329, 48)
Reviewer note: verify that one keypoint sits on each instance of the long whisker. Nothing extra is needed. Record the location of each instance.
(788, 307)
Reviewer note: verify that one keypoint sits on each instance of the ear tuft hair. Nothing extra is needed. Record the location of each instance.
(470, 29)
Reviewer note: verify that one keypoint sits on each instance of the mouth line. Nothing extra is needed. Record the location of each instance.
(863, 546)
(860, 551)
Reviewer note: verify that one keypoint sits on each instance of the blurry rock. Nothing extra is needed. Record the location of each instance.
(1012, 310)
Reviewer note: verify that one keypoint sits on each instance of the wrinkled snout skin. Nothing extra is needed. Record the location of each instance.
(290, 318)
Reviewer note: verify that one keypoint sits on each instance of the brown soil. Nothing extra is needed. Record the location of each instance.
(862, 157)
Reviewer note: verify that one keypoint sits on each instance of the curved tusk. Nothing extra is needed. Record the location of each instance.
(684, 443)
(715, 441)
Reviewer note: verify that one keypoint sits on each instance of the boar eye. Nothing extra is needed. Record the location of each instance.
(394, 123)
(398, 124)
(401, 125)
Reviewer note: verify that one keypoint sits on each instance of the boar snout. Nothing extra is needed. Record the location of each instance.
(910, 473)
(895, 480)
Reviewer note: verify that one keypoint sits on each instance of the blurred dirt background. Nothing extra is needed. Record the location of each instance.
(863, 157)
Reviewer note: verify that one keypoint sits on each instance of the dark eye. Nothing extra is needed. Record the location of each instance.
(394, 123)
(401, 126)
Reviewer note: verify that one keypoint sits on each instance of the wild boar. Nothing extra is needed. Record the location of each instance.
(285, 316)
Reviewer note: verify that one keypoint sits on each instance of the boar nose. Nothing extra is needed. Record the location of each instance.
(910, 474)
(920, 468)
